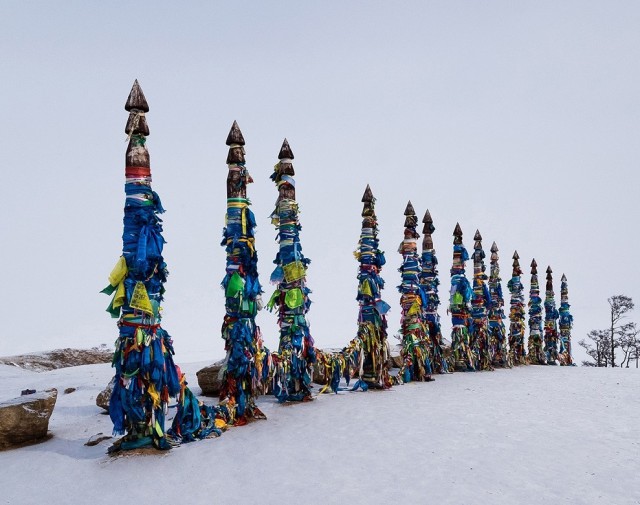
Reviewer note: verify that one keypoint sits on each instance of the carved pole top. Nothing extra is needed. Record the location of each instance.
(235, 141)
(137, 129)
(136, 100)
(409, 211)
(457, 234)
(235, 135)
(285, 151)
(367, 196)
(549, 279)
(428, 227)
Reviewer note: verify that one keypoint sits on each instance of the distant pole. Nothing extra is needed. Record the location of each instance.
(459, 306)
(296, 353)
(415, 345)
(551, 316)
(480, 302)
(536, 351)
(497, 330)
(566, 323)
(370, 347)
(146, 376)
(516, 315)
(246, 357)
(429, 282)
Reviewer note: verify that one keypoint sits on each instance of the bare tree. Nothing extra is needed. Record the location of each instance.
(599, 350)
(620, 305)
(630, 343)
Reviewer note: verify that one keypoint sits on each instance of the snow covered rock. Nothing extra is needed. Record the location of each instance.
(395, 356)
(59, 358)
(26, 419)
(210, 378)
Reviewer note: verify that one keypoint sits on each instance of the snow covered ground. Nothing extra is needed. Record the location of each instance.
(532, 435)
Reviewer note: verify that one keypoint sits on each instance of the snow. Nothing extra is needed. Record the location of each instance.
(531, 435)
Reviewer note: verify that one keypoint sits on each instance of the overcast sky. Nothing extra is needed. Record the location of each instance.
(520, 119)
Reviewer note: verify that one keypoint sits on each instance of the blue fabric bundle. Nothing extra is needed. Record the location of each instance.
(194, 420)
(480, 302)
(496, 316)
(415, 342)
(535, 346)
(146, 376)
(296, 353)
(429, 282)
(566, 323)
(551, 316)
(246, 355)
(517, 351)
(365, 358)
(460, 295)
(369, 362)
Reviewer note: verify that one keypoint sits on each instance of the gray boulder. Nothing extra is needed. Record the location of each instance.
(102, 400)
(26, 419)
(210, 378)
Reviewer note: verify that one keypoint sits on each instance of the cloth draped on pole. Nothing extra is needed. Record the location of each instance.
(517, 352)
(429, 282)
(368, 352)
(146, 376)
(536, 351)
(247, 360)
(497, 330)
(566, 323)
(551, 316)
(480, 302)
(459, 298)
(292, 364)
(415, 341)
(366, 356)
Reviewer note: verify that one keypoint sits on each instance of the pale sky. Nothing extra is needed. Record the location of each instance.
(520, 119)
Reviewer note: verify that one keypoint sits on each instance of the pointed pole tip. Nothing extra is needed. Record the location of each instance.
(368, 195)
(285, 151)
(136, 99)
(235, 135)
(409, 211)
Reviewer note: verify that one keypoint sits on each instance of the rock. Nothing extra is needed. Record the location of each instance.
(96, 439)
(319, 376)
(26, 392)
(60, 358)
(102, 400)
(69, 391)
(26, 419)
(210, 378)
(395, 357)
